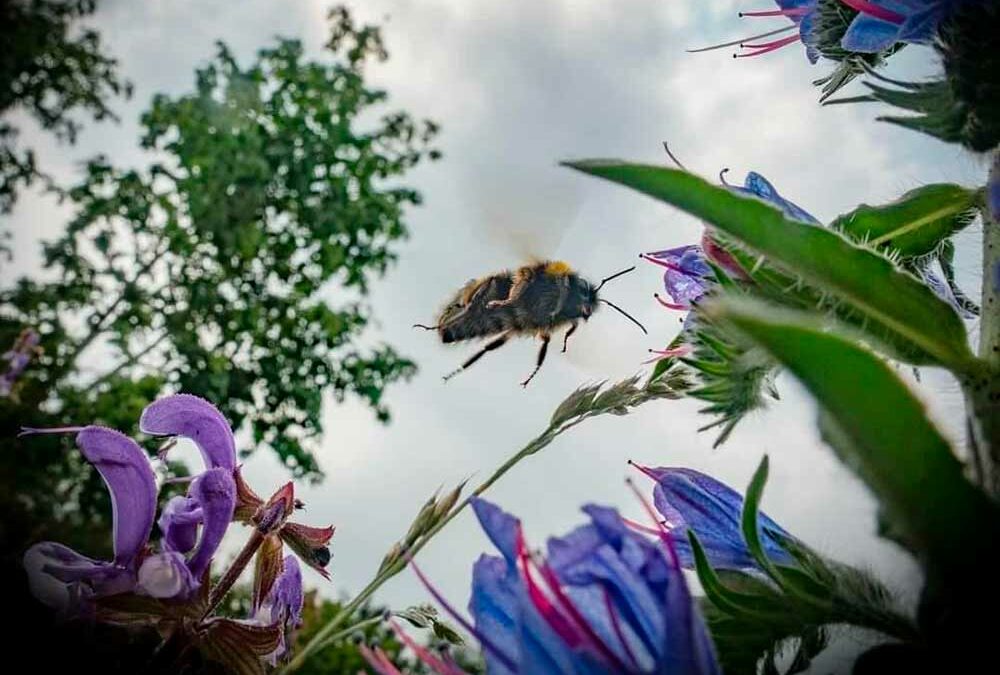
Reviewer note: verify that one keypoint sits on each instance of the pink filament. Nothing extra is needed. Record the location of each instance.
(768, 46)
(423, 653)
(795, 11)
(871, 9)
(618, 629)
(668, 305)
(661, 263)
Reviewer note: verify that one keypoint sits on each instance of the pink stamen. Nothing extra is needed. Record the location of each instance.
(661, 263)
(871, 9)
(639, 527)
(619, 633)
(33, 431)
(559, 623)
(795, 11)
(668, 305)
(556, 588)
(378, 660)
(766, 47)
(664, 534)
(483, 640)
(646, 470)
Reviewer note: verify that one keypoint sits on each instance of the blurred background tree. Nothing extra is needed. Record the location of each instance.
(50, 67)
(208, 270)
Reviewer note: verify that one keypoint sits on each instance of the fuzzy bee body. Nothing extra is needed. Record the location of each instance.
(537, 299)
(546, 296)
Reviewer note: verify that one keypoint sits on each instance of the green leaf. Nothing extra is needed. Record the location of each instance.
(877, 426)
(870, 284)
(916, 223)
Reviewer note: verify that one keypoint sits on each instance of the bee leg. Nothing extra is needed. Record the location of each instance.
(521, 281)
(541, 359)
(572, 328)
(496, 344)
(420, 325)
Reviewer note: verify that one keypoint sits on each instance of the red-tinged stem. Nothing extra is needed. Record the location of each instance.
(233, 573)
(795, 11)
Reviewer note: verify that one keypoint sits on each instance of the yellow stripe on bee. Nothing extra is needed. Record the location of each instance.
(558, 268)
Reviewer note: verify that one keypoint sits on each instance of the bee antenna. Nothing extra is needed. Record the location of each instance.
(613, 276)
(627, 315)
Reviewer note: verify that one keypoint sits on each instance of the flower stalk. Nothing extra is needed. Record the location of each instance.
(583, 404)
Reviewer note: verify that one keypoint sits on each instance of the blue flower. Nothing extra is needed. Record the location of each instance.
(604, 600)
(690, 500)
(756, 185)
(882, 23)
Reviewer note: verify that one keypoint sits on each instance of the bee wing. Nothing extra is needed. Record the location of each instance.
(528, 217)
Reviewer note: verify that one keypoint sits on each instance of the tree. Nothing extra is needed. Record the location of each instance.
(203, 271)
(51, 71)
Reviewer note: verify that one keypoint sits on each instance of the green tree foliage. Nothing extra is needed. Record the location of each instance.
(209, 270)
(50, 69)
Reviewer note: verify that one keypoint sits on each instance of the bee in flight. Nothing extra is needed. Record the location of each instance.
(538, 299)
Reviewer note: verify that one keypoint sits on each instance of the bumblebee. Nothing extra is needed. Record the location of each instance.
(533, 300)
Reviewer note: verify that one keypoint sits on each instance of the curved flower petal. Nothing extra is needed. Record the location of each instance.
(126, 471)
(758, 186)
(165, 576)
(495, 607)
(65, 580)
(869, 35)
(215, 492)
(179, 522)
(689, 499)
(501, 527)
(195, 418)
(283, 604)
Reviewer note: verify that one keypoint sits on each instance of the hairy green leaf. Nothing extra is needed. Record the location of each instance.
(916, 223)
(865, 281)
(877, 426)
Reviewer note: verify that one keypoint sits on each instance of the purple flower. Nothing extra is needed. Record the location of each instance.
(194, 418)
(18, 357)
(193, 526)
(686, 275)
(993, 191)
(283, 605)
(691, 500)
(68, 581)
(606, 600)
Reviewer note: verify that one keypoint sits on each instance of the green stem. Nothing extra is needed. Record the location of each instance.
(324, 635)
(350, 630)
(623, 396)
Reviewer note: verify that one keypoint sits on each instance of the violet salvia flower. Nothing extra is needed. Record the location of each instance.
(283, 605)
(690, 500)
(606, 600)
(194, 418)
(68, 581)
(18, 357)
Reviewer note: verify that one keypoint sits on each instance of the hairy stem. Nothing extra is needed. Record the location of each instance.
(982, 389)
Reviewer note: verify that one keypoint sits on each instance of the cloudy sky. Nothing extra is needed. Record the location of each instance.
(519, 85)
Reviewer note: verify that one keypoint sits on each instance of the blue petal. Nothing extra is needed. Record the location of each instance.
(868, 35)
(757, 185)
(691, 500)
(500, 527)
(921, 26)
(495, 608)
